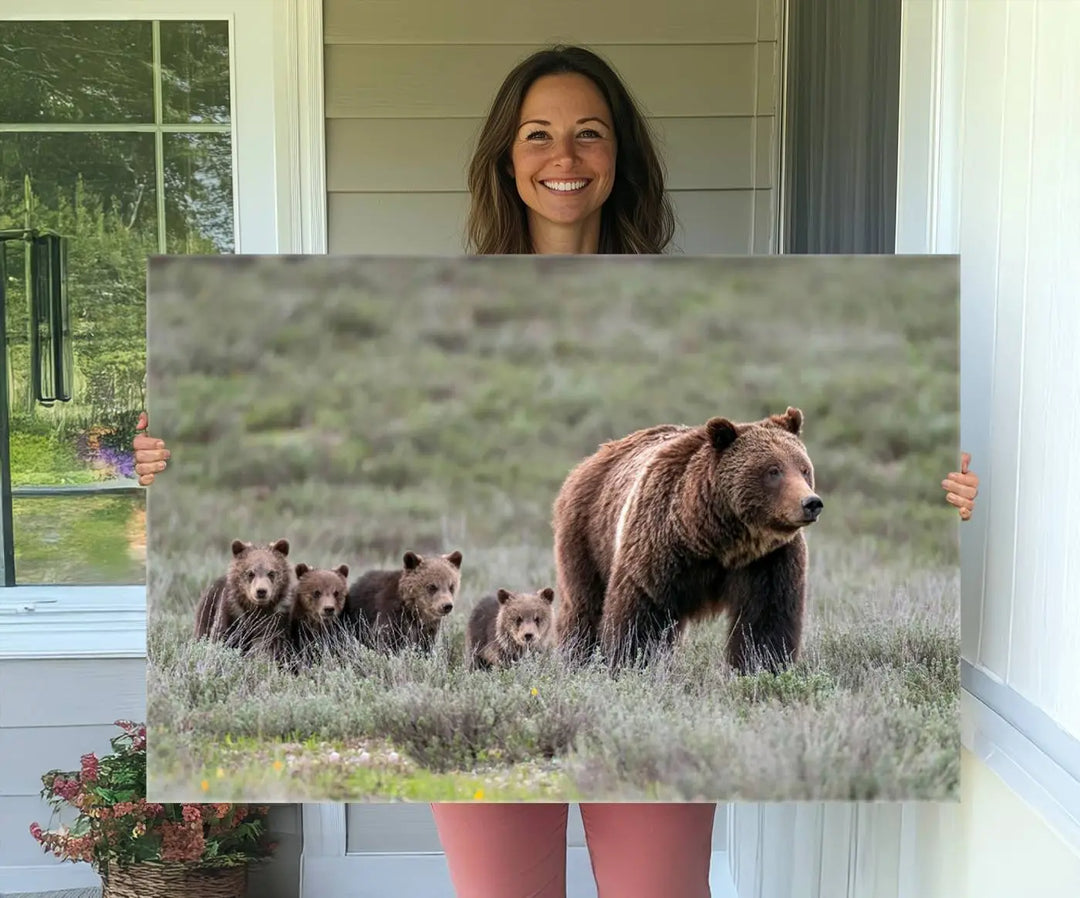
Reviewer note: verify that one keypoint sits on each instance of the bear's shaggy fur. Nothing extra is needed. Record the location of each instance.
(320, 595)
(673, 523)
(395, 609)
(316, 614)
(505, 626)
(250, 606)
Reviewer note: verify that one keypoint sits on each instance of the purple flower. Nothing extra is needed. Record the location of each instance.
(120, 461)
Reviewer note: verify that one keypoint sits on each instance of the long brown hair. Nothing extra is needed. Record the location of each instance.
(637, 217)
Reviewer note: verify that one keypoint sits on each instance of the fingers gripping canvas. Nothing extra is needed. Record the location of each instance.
(553, 528)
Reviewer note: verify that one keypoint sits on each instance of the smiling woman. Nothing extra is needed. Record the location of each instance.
(563, 162)
(562, 117)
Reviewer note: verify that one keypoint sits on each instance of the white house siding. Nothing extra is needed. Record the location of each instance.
(407, 86)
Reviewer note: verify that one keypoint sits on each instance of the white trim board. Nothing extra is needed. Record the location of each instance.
(73, 622)
(1037, 771)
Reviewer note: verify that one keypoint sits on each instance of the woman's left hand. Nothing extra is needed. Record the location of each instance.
(961, 488)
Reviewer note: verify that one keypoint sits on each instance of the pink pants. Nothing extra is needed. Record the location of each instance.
(519, 850)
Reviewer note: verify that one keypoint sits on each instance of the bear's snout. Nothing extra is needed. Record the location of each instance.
(446, 608)
(329, 611)
(261, 593)
(812, 506)
(529, 636)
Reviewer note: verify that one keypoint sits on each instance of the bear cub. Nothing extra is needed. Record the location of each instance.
(316, 614)
(250, 606)
(396, 609)
(505, 626)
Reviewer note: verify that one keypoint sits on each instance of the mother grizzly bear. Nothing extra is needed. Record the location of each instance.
(673, 523)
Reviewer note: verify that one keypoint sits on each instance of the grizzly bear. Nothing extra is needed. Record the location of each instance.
(675, 523)
(249, 606)
(316, 611)
(395, 609)
(505, 626)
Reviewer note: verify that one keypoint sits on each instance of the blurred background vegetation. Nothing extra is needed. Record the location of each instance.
(364, 407)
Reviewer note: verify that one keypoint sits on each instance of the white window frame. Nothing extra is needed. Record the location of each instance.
(276, 61)
(1033, 755)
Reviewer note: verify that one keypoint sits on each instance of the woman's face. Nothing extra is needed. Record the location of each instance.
(563, 154)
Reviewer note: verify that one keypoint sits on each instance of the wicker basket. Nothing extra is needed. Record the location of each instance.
(173, 880)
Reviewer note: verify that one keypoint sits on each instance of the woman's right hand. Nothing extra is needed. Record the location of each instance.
(150, 453)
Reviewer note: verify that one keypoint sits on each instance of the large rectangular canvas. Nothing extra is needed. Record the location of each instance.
(695, 503)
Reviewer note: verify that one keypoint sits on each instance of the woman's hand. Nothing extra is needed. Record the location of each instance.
(961, 488)
(150, 453)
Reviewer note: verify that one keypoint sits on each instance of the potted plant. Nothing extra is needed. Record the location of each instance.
(142, 848)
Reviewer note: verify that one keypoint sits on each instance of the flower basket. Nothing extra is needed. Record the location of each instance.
(174, 880)
(141, 848)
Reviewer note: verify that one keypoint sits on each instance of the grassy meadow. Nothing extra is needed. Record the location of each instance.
(363, 407)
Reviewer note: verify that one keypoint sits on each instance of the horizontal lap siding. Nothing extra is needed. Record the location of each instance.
(52, 712)
(407, 89)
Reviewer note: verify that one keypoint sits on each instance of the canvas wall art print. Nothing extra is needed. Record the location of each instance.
(553, 528)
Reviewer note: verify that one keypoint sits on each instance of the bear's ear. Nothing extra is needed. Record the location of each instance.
(547, 594)
(412, 561)
(791, 420)
(721, 433)
(239, 546)
(282, 546)
(301, 569)
(343, 569)
(454, 558)
(503, 596)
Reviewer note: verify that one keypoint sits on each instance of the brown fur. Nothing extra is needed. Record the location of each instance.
(505, 626)
(320, 595)
(249, 606)
(396, 609)
(316, 611)
(712, 520)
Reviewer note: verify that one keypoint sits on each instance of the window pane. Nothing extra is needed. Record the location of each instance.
(195, 71)
(198, 193)
(99, 72)
(108, 177)
(88, 540)
(99, 190)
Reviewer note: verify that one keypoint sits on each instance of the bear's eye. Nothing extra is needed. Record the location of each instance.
(432, 588)
(271, 575)
(536, 620)
(318, 594)
(774, 471)
(251, 575)
(451, 589)
(519, 620)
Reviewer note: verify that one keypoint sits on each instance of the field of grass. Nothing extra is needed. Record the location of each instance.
(364, 407)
